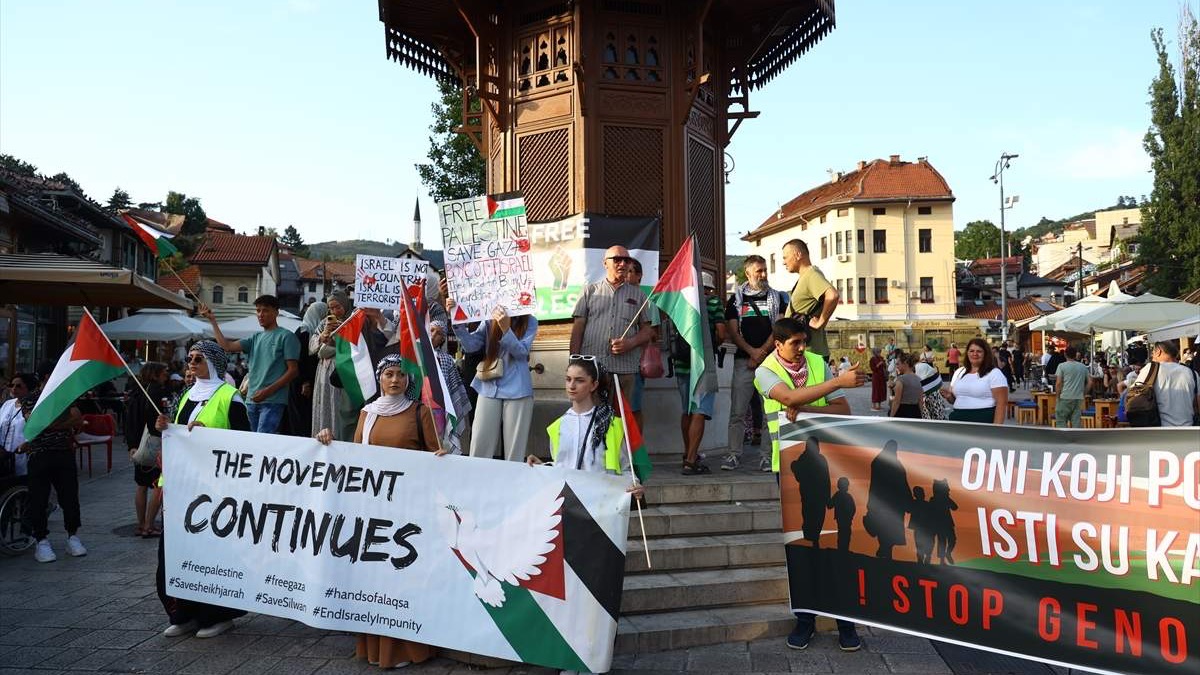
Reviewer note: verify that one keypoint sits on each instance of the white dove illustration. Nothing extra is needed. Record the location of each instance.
(511, 552)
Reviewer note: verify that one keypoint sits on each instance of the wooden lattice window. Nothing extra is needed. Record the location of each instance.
(544, 161)
(633, 171)
(702, 191)
(544, 58)
(632, 55)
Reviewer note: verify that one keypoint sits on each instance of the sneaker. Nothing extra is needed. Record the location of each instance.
(75, 547)
(801, 635)
(214, 630)
(731, 462)
(848, 640)
(180, 629)
(764, 464)
(44, 553)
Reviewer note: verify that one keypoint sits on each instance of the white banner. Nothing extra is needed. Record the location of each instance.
(378, 280)
(482, 556)
(488, 264)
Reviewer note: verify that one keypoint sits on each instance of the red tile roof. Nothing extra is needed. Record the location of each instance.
(337, 271)
(881, 179)
(991, 266)
(234, 249)
(1019, 309)
(217, 225)
(189, 274)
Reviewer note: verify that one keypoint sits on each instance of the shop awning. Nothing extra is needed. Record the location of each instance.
(55, 279)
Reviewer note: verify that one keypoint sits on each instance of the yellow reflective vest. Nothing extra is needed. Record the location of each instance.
(771, 407)
(612, 443)
(214, 414)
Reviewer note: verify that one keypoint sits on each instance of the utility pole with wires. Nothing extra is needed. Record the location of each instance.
(998, 177)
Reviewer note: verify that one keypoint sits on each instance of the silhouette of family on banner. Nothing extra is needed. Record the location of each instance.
(889, 500)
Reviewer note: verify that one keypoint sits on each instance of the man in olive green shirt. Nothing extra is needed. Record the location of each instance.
(811, 289)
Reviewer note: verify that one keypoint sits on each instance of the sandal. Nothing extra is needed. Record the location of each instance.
(695, 468)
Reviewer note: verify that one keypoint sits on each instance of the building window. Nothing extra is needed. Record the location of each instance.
(862, 241)
(881, 291)
(879, 239)
(843, 212)
(824, 247)
(841, 293)
(312, 287)
(850, 291)
(862, 289)
(772, 263)
(218, 295)
(243, 294)
(924, 210)
(879, 211)
(848, 244)
(837, 243)
(926, 289)
(924, 240)
(823, 217)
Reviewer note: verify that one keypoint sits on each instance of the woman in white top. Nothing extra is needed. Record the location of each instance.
(978, 390)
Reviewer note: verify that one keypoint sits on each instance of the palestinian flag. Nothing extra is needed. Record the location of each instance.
(416, 350)
(158, 241)
(351, 360)
(88, 361)
(507, 205)
(679, 294)
(639, 458)
(563, 612)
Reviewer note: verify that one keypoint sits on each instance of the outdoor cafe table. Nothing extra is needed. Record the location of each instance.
(1106, 408)
(1046, 401)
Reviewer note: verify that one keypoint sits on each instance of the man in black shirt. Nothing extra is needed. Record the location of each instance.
(750, 312)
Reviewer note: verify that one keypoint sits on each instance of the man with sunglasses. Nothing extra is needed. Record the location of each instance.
(610, 320)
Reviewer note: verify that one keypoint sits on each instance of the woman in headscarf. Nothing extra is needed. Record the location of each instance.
(210, 402)
(299, 413)
(397, 420)
(327, 399)
(452, 437)
(504, 409)
(879, 376)
(933, 406)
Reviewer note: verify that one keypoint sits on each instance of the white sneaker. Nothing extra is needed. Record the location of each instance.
(214, 630)
(180, 629)
(44, 553)
(731, 462)
(764, 464)
(75, 547)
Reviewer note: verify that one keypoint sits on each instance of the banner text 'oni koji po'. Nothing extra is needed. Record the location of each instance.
(1074, 547)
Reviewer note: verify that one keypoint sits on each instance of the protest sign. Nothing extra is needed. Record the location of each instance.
(486, 248)
(494, 558)
(1074, 547)
(379, 281)
(568, 254)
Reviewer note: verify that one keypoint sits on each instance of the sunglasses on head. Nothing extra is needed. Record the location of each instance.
(581, 357)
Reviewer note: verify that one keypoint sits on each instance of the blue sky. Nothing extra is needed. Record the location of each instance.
(278, 112)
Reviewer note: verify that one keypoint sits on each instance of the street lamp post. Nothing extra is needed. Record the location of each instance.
(998, 177)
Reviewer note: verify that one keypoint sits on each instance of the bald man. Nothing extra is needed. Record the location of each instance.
(611, 321)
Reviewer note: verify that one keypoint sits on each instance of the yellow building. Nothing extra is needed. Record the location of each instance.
(882, 234)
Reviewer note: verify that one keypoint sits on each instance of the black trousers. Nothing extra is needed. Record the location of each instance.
(182, 611)
(53, 468)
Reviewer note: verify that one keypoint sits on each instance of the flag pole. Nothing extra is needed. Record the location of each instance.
(633, 475)
(635, 316)
(184, 284)
(136, 381)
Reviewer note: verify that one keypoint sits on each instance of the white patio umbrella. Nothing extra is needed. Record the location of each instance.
(157, 324)
(1179, 329)
(248, 325)
(1054, 321)
(1141, 313)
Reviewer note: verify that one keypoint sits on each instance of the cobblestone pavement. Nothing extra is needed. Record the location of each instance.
(99, 613)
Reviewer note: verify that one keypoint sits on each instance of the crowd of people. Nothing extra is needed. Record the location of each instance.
(287, 384)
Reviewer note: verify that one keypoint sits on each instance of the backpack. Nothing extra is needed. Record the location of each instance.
(1141, 403)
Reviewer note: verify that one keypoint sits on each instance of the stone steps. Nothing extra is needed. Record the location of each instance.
(644, 633)
(672, 591)
(675, 520)
(667, 486)
(702, 552)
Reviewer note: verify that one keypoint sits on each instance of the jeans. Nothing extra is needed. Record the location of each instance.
(53, 468)
(265, 417)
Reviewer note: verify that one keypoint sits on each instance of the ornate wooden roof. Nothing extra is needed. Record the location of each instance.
(760, 37)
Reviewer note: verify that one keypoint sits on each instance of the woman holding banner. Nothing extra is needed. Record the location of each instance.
(327, 399)
(396, 420)
(212, 403)
(978, 390)
(504, 409)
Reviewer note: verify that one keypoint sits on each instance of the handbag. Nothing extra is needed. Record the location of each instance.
(1141, 403)
(651, 364)
(146, 453)
(493, 371)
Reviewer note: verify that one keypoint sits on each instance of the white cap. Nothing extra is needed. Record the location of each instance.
(707, 278)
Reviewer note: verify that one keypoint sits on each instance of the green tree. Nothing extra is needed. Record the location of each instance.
(1169, 238)
(118, 201)
(455, 170)
(292, 239)
(65, 179)
(979, 239)
(17, 166)
(194, 218)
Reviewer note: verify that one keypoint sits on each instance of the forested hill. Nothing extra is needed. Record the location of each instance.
(346, 250)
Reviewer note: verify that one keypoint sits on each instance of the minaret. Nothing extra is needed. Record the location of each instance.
(416, 244)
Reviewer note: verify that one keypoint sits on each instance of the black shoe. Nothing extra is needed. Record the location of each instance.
(848, 640)
(801, 635)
